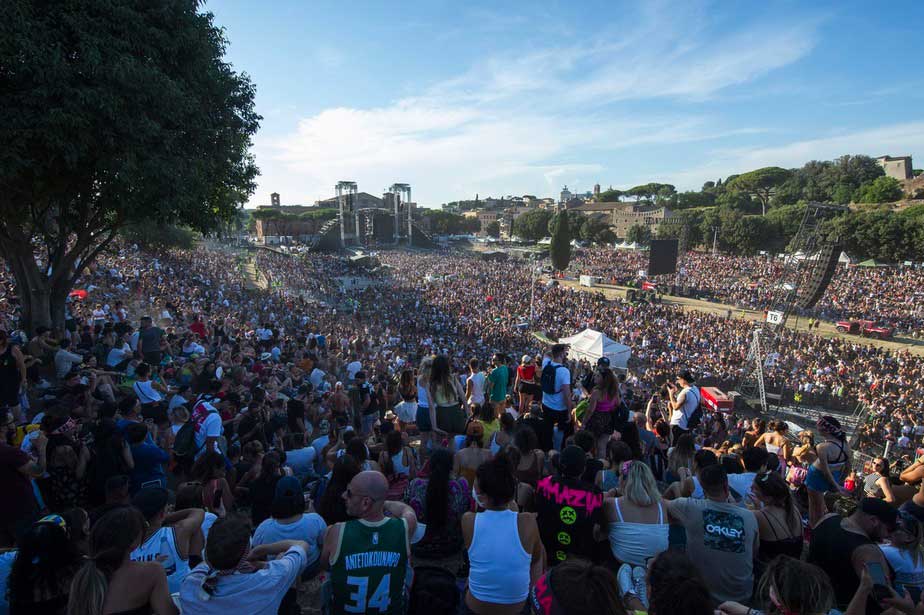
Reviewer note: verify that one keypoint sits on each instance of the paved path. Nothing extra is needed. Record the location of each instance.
(253, 279)
(801, 324)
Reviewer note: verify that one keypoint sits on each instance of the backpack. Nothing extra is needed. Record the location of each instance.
(434, 592)
(184, 444)
(547, 380)
(696, 418)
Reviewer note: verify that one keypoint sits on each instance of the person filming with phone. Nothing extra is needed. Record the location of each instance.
(683, 400)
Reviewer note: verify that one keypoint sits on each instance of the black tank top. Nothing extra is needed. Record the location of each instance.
(9, 372)
(831, 549)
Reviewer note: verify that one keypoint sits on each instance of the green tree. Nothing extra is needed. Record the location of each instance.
(446, 223)
(113, 113)
(167, 236)
(880, 190)
(560, 249)
(533, 225)
(595, 230)
(761, 183)
(639, 233)
(610, 196)
(784, 222)
(493, 229)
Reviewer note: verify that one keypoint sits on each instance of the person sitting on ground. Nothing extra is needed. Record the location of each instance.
(576, 587)
(439, 500)
(673, 585)
(168, 539)
(567, 530)
(638, 528)
(788, 586)
(109, 581)
(467, 460)
(371, 550)
(45, 564)
(237, 578)
(721, 536)
(504, 547)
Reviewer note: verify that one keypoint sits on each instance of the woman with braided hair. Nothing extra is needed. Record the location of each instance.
(829, 469)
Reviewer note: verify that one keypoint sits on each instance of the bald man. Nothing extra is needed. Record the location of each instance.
(369, 556)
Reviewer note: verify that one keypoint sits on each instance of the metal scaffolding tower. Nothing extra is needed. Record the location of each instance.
(346, 199)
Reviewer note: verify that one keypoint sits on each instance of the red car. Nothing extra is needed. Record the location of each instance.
(866, 328)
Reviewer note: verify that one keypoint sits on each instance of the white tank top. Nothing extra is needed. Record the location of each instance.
(161, 547)
(633, 543)
(398, 462)
(499, 571)
(477, 381)
(422, 396)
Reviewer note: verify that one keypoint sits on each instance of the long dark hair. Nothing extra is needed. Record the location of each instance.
(441, 375)
(677, 586)
(111, 539)
(776, 489)
(331, 505)
(44, 565)
(437, 499)
(393, 445)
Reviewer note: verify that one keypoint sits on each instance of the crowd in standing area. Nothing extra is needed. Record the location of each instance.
(184, 443)
(890, 295)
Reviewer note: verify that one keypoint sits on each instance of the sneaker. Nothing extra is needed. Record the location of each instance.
(638, 584)
(624, 580)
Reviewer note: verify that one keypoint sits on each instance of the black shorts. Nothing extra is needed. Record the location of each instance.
(156, 411)
(529, 388)
(152, 358)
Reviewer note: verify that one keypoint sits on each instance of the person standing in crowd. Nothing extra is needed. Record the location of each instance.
(600, 418)
(109, 582)
(425, 418)
(721, 537)
(830, 468)
(149, 339)
(467, 461)
(557, 402)
(368, 557)
(446, 397)
(498, 381)
(504, 547)
(475, 385)
(684, 398)
(525, 382)
(843, 546)
(236, 577)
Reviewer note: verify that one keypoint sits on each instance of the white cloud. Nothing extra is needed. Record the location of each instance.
(522, 124)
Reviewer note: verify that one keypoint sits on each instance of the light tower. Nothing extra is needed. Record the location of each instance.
(397, 190)
(346, 194)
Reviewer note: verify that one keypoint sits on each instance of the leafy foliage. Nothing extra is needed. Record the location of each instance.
(639, 233)
(113, 113)
(493, 229)
(761, 183)
(880, 190)
(445, 223)
(533, 225)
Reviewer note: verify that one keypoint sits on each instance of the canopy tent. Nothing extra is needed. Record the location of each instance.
(626, 246)
(591, 345)
(871, 263)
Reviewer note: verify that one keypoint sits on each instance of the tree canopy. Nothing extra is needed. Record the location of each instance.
(880, 190)
(639, 233)
(560, 250)
(533, 225)
(113, 113)
(761, 183)
(446, 223)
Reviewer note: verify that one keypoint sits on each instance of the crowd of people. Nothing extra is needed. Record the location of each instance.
(411, 446)
(890, 295)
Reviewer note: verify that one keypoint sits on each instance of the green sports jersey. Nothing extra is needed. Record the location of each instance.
(370, 567)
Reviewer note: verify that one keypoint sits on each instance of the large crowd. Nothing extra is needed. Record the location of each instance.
(410, 445)
(890, 295)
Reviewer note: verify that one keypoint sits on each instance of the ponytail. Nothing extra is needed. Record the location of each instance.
(88, 590)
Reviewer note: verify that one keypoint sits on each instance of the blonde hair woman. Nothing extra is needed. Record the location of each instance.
(424, 424)
(637, 521)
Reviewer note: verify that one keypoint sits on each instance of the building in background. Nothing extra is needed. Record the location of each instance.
(651, 216)
(898, 167)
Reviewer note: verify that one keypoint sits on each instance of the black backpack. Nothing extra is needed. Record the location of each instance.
(696, 418)
(434, 592)
(184, 444)
(547, 379)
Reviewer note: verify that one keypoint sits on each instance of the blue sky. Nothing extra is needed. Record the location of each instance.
(459, 98)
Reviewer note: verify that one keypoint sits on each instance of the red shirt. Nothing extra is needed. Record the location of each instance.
(198, 328)
(526, 372)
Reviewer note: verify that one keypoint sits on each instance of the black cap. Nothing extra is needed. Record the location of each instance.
(880, 509)
(603, 362)
(572, 460)
(360, 374)
(150, 501)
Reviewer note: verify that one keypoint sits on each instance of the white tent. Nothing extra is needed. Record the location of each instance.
(626, 246)
(591, 345)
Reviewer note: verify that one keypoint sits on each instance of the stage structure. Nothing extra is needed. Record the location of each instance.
(365, 221)
(810, 262)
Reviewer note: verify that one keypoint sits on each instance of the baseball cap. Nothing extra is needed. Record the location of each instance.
(150, 501)
(526, 360)
(572, 460)
(880, 509)
(603, 362)
(288, 486)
